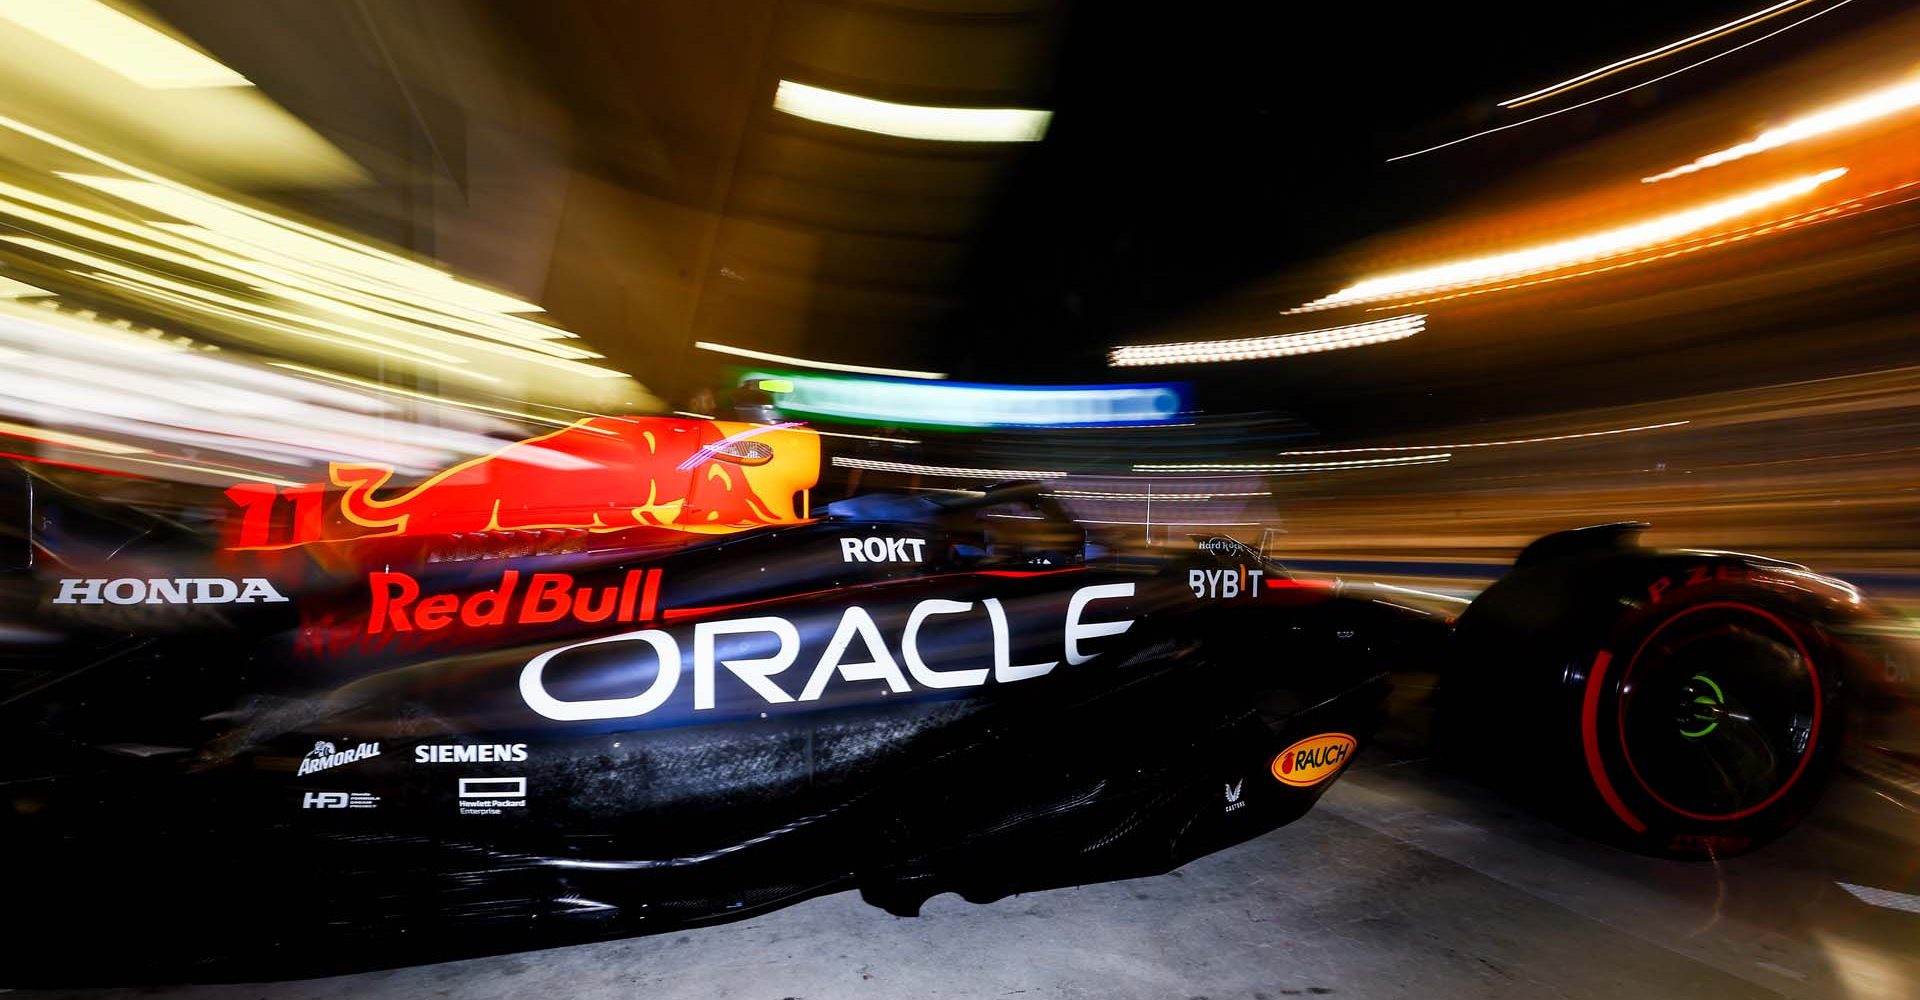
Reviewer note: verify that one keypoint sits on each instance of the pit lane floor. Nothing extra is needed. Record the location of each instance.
(1402, 883)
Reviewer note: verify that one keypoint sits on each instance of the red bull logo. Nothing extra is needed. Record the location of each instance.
(600, 474)
(546, 597)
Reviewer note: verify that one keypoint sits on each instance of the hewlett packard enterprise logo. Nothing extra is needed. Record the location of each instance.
(491, 796)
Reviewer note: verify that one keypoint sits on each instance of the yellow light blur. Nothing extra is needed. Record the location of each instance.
(152, 242)
(1737, 24)
(293, 278)
(1168, 524)
(1151, 497)
(441, 399)
(1494, 444)
(11, 289)
(232, 230)
(911, 121)
(831, 366)
(1358, 463)
(149, 287)
(1845, 115)
(191, 292)
(1566, 253)
(956, 472)
(1280, 345)
(123, 44)
(237, 475)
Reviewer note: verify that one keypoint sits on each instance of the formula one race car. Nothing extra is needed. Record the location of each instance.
(340, 726)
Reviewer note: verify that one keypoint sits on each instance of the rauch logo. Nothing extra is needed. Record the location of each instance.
(1312, 760)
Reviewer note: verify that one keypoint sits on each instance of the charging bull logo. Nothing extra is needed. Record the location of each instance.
(602, 474)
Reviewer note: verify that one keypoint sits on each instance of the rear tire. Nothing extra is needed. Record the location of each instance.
(1692, 725)
(1707, 725)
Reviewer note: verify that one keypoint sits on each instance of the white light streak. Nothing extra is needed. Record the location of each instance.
(911, 121)
(1358, 463)
(1845, 115)
(1623, 90)
(1884, 898)
(1150, 497)
(832, 366)
(1279, 345)
(1655, 53)
(1566, 253)
(1491, 444)
(1423, 593)
(942, 470)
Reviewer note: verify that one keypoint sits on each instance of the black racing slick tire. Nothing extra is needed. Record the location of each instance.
(1707, 725)
(1698, 724)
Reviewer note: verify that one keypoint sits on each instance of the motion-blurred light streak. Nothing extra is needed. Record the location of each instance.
(1490, 444)
(126, 45)
(442, 399)
(1873, 106)
(278, 278)
(832, 366)
(1153, 497)
(1869, 201)
(1175, 524)
(1661, 52)
(73, 382)
(67, 440)
(1623, 90)
(11, 289)
(1567, 253)
(1279, 345)
(956, 472)
(911, 121)
(963, 404)
(864, 437)
(1358, 463)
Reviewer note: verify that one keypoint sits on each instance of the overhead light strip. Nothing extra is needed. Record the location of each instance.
(910, 121)
(1276, 346)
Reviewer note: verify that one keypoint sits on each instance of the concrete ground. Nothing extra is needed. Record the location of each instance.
(1403, 883)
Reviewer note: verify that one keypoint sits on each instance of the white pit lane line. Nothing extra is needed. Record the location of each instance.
(1886, 899)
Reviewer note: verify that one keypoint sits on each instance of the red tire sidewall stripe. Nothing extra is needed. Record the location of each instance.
(1589, 725)
(1590, 741)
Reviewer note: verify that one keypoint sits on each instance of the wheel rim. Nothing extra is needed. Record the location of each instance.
(1719, 711)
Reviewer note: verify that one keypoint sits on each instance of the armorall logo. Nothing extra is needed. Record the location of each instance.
(324, 756)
